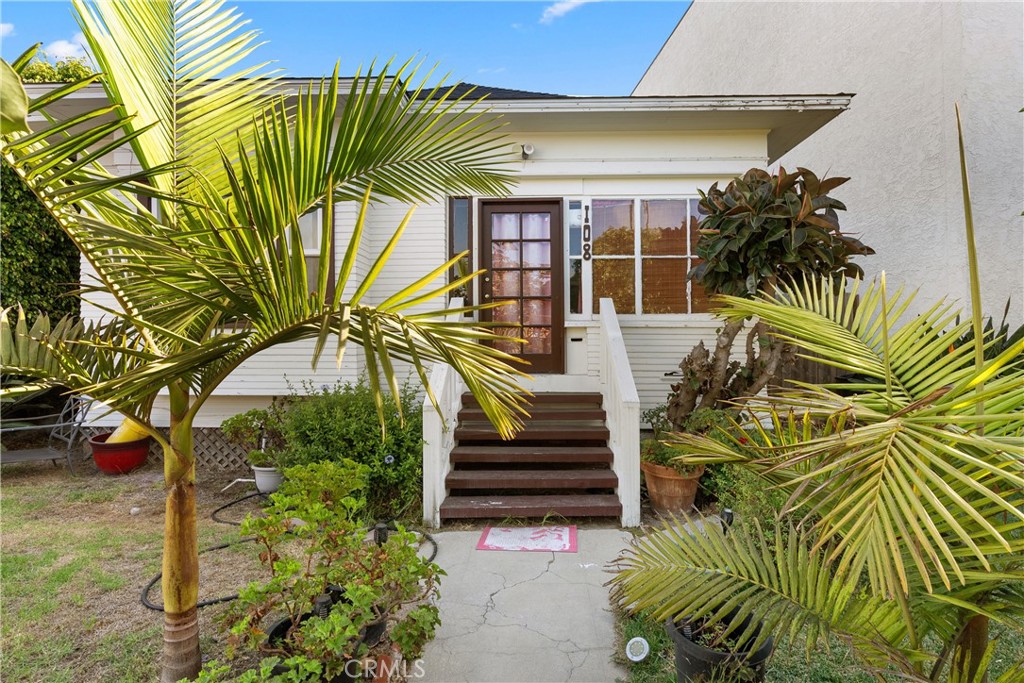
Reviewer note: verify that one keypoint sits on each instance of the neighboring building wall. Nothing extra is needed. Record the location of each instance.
(907, 63)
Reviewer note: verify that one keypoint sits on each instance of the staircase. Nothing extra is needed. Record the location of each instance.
(559, 464)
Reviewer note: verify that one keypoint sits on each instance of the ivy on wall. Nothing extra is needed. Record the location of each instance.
(39, 265)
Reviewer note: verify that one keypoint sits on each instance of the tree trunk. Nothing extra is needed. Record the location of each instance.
(971, 650)
(720, 367)
(180, 581)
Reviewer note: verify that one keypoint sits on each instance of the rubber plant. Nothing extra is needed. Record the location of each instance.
(215, 273)
(906, 491)
(760, 230)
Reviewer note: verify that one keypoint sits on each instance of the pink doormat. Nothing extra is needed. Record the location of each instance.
(537, 539)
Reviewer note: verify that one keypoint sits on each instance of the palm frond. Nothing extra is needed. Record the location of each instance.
(173, 63)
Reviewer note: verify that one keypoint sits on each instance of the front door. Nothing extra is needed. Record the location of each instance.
(521, 246)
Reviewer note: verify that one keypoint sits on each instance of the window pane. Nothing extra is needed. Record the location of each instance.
(662, 227)
(460, 225)
(538, 339)
(460, 239)
(536, 226)
(537, 282)
(312, 266)
(536, 311)
(615, 278)
(506, 283)
(575, 228)
(536, 254)
(663, 286)
(575, 286)
(505, 226)
(695, 218)
(509, 313)
(505, 254)
(309, 231)
(699, 302)
(613, 226)
(515, 348)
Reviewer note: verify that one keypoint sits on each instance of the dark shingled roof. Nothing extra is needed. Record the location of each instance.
(460, 89)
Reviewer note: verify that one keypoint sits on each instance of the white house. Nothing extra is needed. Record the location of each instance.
(908, 62)
(593, 245)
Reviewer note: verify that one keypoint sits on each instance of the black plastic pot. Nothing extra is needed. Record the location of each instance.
(698, 663)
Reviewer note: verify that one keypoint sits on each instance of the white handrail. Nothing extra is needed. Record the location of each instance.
(439, 432)
(622, 407)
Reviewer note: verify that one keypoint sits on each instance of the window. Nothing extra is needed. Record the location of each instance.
(311, 231)
(637, 252)
(460, 239)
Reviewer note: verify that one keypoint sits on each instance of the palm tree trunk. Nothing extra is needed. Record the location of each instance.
(180, 581)
(971, 649)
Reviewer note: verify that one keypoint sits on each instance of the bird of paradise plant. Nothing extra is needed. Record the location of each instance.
(216, 272)
(905, 515)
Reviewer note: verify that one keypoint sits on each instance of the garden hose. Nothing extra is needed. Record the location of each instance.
(214, 515)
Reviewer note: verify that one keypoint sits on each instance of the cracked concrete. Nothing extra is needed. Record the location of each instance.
(514, 617)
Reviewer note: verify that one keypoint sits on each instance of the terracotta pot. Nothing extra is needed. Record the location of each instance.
(118, 458)
(670, 491)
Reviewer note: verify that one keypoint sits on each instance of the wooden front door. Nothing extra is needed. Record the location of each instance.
(521, 246)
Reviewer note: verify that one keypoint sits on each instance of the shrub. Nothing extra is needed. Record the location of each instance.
(39, 264)
(259, 432)
(342, 422)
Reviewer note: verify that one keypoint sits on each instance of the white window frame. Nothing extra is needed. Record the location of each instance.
(586, 205)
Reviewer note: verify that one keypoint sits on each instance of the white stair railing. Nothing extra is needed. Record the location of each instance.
(439, 432)
(622, 407)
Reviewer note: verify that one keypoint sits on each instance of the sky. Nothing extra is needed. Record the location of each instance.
(570, 47)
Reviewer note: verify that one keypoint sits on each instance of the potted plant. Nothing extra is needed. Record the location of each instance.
(672, 486)
(122, 450)
(707, 650)
(332, 594)
(259, 432)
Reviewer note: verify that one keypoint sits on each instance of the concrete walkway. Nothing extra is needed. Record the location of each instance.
(522, 617)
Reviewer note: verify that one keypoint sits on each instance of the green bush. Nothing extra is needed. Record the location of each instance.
(39, 266)
(341, 422)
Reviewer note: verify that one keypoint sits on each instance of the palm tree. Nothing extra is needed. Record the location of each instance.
(217, 274)
(903, 521)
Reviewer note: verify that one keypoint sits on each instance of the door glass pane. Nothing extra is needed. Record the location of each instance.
(662, 228)
(575, 286)
(536, 254)
(699, 302)
(509, 313)
(505, 226)
(536, 311)
(663, 289)
(538, 339)
(615, 278)
(513, 347)
(613, 226)
(537, 282)
(506, 283)
(536, 226)
(505, 254)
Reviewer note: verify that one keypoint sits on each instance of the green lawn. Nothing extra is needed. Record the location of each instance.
(74, 560)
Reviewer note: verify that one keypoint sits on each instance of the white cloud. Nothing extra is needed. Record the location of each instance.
(485, 70)
(64, 49)
(6, 30)
(560, 9)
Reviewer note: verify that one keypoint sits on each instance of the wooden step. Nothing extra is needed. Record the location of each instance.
(531, 454)
(548, 398)
(477, 507)
(535, 432)
(531, 479)
(539, 413)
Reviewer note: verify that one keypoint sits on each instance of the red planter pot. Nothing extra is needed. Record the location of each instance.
(118, 458)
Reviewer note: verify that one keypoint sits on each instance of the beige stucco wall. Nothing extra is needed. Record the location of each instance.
(907, 63)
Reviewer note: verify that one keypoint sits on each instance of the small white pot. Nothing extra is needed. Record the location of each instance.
(267, 478)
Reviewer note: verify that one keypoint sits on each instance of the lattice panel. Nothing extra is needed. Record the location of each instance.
(213, 451)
